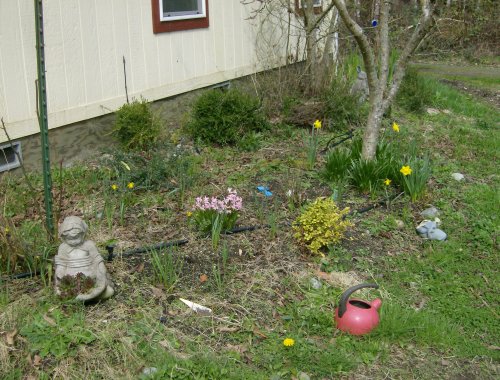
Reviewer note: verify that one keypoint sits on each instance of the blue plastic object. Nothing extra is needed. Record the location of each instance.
(374, 22)
(265, 190)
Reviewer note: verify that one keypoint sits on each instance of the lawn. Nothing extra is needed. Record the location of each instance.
(440, 300)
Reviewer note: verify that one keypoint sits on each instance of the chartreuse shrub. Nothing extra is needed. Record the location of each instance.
(321, 224)
(136, 127)
(224, 116)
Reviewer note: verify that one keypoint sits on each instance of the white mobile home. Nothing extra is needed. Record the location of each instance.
(169, 46)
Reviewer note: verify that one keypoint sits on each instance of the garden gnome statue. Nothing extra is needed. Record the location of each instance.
(78, 255)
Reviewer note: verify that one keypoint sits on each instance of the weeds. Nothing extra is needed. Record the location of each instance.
(222, 275)
(311, 143)
(165, 268)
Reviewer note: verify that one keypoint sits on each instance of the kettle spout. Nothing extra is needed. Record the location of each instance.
(377, 303)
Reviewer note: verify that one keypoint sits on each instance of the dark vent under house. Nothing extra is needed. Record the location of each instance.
(8, 157)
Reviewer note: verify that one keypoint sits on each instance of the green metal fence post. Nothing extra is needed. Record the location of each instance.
(42, 109)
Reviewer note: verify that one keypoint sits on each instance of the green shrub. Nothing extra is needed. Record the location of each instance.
(136, 127)
(224, 116)
(414, 92)
(321, 224)
(340, 106)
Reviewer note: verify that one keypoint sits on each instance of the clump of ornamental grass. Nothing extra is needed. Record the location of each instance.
(223, 212)
(322, 223)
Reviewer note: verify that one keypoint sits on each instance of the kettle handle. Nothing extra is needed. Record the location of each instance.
(345, 296)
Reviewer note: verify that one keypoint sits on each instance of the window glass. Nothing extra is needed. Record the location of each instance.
(184, 6)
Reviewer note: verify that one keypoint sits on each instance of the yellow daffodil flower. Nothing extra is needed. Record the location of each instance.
(114, 187)
(317, 124)
(288, 342)
(395, 127)
(387, 182)
(130, 185)
(405, 170)
(189, 213)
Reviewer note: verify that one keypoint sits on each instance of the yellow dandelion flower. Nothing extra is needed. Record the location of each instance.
(288, 342)
(317, 124)
(130, 185)
(6, 230)
(395, 127)
(387, 182)
(114, 187)
(406, 170)
(189, 213)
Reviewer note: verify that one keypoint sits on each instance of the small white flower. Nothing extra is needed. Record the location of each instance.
(289, 193)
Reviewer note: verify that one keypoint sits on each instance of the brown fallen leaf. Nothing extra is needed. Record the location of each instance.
(445, 362)
(37, 361)
(49, 320)
(493, 348)
(10, 337)
(258, 332)
(28, 359)
(139, 268)
(203, 278)
(171, 235)
(227, 329)
(157, 293)
(322, 275)
(238, 348)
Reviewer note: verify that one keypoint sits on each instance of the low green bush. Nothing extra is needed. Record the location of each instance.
(224, 116)
(136, 127)
(340, 106)
(414, 93)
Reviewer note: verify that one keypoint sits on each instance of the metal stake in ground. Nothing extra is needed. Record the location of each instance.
(42, 116)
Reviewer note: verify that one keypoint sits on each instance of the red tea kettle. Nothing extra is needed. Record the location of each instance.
(354, 316)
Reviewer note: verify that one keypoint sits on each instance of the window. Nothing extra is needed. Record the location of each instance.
(8, 156)
(172, 15)
(316, 3)
(299, 4)
(181, 9)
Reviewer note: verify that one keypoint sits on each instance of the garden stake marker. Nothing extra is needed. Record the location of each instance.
(42, 117)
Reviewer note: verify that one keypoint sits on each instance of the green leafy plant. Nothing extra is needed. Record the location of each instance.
(339, 105)
(60, 340)
(322, 223)
(222, 275)
(223, 117)
(165, 268)
(137, 127)
(311, 143)
(415, 176)
(414, 92)
(367, 175)
(250, 142)
(272, 219)
(154, 169)
(337, 164)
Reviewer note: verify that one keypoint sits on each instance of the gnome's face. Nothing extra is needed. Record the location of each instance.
(74, 237)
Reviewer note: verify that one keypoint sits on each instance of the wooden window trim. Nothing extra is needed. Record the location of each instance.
(172, 26)
(300, 11)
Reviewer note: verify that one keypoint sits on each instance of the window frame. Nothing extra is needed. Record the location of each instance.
(185, 16)
(185, 23)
